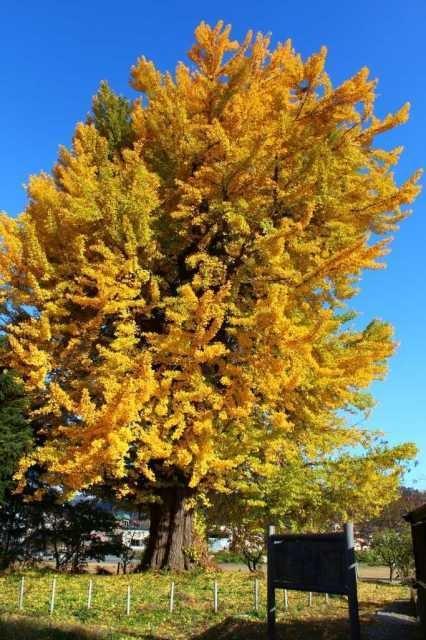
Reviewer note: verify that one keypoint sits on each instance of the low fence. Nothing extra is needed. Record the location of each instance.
(98, 598)
(90, 600)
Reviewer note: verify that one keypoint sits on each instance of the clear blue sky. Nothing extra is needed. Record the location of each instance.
(53, 55)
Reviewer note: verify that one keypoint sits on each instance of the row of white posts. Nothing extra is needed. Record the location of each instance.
(52, 598)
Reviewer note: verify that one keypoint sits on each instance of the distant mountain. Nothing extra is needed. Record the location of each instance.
(392, 516)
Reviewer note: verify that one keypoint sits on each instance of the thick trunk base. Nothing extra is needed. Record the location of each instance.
(170, 533)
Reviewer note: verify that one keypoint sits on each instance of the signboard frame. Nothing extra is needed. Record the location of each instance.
(417, 520)
(307, 570)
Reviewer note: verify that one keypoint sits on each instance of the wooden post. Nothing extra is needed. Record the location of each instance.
(128, 601)
(256, 594)
(271, 605)
(413, 597)
(352, 584)
(215, 597)
(172, 597)
(21, 594)
(52, 597)
(89, 594)
(326, 598)
(310, 599)
(285, 599)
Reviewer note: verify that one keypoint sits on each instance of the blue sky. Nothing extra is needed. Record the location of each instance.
(53, 55)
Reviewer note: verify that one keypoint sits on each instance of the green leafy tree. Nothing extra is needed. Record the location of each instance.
(313, 495)
(123, 551)
(73, 532)
(394, 549)
(249, 541)
(78, 531)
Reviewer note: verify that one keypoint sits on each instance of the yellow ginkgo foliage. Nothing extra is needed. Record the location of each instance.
(174, 304)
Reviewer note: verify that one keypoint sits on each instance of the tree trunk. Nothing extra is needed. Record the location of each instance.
(170, 531)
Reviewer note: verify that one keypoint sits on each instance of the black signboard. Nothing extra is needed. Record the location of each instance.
(322, 563)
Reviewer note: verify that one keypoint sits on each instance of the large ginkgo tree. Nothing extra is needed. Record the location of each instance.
(174, 293)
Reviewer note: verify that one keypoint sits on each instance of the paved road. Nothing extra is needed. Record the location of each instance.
(365, 572)
(393, 626)
(373, 573)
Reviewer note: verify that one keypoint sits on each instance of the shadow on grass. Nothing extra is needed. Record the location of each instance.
(404, 607)
(236, 629)
(17, 628)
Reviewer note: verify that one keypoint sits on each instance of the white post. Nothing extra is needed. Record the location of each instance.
(172, 596)
(128, 601)
(256, 594)
(89, 594)
(326, 598)
(310, 599)
(215, 597)
(52, 597)
(285, 599)
(21, 594)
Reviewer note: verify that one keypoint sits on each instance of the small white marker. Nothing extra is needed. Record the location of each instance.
(89, 594)
(52, 597)
(128, 601)
(21, 593)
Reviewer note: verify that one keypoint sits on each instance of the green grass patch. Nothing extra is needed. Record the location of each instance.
(192, 618)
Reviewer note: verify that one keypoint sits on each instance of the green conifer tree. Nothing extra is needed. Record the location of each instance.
(111, 115)
(15, 432)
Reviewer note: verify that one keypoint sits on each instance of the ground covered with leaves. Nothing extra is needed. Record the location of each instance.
(193, 616)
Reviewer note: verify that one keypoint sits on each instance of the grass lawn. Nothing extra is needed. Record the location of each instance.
(193, 616)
